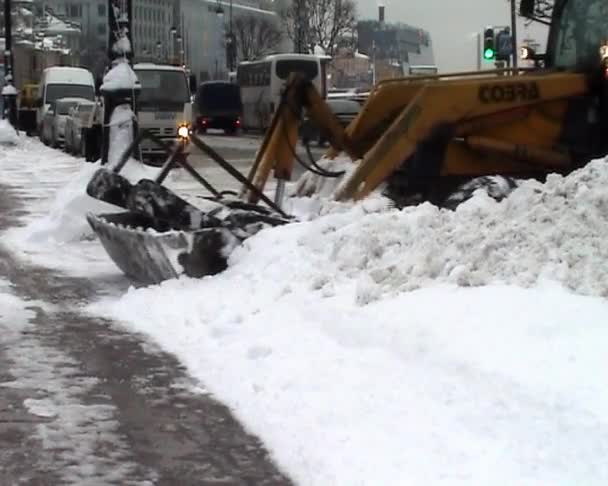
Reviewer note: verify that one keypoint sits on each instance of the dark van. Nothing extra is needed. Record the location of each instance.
(217, 104)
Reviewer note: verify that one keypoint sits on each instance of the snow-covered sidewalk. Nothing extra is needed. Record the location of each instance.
(373, 346)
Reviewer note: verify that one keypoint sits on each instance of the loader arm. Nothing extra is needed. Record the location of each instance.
(470, 125)
(278, 150)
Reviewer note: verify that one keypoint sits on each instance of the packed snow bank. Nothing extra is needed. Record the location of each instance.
(53, 231)
(316, 338)
(66, 219)
(555, 230)
(8, 135)
(121, 133)
(442, 385)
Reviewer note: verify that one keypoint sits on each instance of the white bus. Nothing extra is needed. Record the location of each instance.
(423, 70)
(262, 81)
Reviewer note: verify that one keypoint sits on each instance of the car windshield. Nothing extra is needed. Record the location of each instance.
(162, 89)
(582, 29)
(57, 91)
(344, 106)
(219, 97)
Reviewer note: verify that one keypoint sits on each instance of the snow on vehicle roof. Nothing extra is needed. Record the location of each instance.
(68, 75)
(73, 99)
(159, 67)
(287, 56)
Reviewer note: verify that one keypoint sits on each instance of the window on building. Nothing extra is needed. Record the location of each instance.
(75, 10)
(101, 9)
(101, 29)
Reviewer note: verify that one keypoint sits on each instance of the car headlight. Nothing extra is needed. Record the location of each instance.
(183, 131)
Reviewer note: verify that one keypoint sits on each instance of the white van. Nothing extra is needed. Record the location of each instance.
(63, 82)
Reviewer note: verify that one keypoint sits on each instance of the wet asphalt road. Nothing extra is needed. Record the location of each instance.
(112, 407)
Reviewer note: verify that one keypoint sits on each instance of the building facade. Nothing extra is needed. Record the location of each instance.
(92, 17)
(188, 32)
(393, 47)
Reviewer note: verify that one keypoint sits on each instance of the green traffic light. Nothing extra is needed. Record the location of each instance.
(488, 54)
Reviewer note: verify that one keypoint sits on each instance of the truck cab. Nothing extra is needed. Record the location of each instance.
(164, 104)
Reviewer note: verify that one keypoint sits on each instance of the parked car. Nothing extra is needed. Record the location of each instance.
(47, 124)
(345, 111)
(217, 104)
(62, 82)
(55, 134)
(79, 119)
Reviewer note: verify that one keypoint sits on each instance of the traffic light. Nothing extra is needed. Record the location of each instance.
(489, 47)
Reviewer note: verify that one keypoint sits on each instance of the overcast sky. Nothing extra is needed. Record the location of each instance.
(452, 23)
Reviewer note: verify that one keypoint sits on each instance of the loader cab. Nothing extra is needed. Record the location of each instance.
(578, 30)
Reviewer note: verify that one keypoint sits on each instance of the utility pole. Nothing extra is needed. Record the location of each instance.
(299, 32)
(478, 37)
(120, 49)
(514, 32)
(9, 92)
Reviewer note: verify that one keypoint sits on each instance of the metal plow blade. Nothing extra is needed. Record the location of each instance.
(149, 256)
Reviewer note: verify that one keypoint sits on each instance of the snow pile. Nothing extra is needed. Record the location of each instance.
(311, 338)
(439, 386)
(555, 230)
(66, 218)
(122, 46)
(120, 77)
(8, 135)
(9, 90)
(311, 184)
(121, 133)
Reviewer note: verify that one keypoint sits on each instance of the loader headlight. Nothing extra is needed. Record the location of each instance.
(183, 131)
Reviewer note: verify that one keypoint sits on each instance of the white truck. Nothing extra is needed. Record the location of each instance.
(164, 105)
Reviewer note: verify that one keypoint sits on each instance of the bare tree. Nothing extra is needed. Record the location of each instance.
(255, 36)
(295, 22)
(318, 22)
(543, 10)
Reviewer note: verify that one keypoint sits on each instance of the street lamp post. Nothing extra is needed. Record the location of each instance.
(180, 50)
(230, 37)
(9, 93)
(231, 43)
(159, 48)
(173, 50)
(514, 32)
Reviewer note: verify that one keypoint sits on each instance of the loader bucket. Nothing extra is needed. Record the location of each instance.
(109, 187)
(161, 236)
(149, 256)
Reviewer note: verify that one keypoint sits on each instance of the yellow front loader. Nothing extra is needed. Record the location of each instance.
(424, 137)
(420, 139)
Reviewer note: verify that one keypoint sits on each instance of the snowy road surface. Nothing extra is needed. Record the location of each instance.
(83, 402)
(364, 345)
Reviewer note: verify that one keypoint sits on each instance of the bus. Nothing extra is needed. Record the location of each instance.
(262, 81)
(423, 70)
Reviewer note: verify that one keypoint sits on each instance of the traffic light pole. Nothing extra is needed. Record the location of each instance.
(478, 51)
(514, 32)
